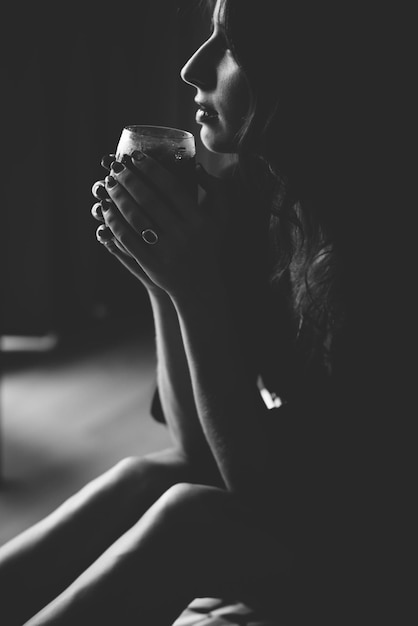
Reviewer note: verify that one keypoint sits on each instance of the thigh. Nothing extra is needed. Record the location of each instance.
(70, 539)
(195, 540)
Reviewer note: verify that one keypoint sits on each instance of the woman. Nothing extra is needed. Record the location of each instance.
(255, 287)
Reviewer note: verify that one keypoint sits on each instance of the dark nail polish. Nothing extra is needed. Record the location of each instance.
(97, 211)
(101, 192)
(104, 233)
(117, 167)
(110, 181)
(105, 204)
(126, 159)
(106, 161)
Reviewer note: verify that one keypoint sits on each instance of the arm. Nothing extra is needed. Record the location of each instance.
(174, 385)
(278, 467)
(229, 405)
(186, 264)
(175, 388)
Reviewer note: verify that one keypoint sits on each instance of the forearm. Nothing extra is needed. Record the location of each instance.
(229, 406)
(174, 383)
(279, 465)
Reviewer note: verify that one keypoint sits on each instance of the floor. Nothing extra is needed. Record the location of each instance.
(67, 415)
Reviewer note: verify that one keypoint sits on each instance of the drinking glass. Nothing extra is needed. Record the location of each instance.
(173, 148)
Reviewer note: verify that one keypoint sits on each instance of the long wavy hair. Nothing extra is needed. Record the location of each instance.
(293, 62)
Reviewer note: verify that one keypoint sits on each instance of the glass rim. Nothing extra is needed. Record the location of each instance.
(160, 131)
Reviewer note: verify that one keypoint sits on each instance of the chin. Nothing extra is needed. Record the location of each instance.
(216, 141)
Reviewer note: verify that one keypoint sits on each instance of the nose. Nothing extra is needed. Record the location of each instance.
(199, 71)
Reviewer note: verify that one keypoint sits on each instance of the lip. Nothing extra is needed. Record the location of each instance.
(204, 105)
(205, 113)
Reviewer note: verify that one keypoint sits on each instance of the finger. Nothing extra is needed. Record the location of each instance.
(132, 210)
(107, 160)
(109, 240)
(99, 190)
(104, 234)
(152, 204)
(96, 211)
(124, 234)
(120, 246)
(126, 260)
(163, 182)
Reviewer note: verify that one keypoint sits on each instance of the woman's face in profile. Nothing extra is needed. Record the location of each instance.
(222, 92)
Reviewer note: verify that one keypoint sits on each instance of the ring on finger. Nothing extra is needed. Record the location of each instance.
(149, 236)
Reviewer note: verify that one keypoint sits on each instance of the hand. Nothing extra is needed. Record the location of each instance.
(156, 221)
(105, 236)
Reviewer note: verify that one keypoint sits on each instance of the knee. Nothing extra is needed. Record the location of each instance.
(125, 468)
(188, 503)
(175, 518)
(115, 480)
(180, 494)
(166, 466)
(122, 473)
(146, 480)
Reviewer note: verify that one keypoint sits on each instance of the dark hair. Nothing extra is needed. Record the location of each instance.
(293, 56)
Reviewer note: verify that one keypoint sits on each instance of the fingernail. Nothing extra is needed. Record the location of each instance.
(104, 233)
(96, 210)
(117, 167)
(107, 159)
(106, 204)
(126, 159)
(110, 181)
(99, 191)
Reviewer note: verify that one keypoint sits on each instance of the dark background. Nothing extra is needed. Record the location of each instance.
(73, 77)
(77, 356)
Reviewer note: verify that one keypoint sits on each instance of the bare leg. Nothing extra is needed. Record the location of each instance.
(194, 541)
(41, 562)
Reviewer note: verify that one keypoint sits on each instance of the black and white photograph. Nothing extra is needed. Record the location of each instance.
(206, 326)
